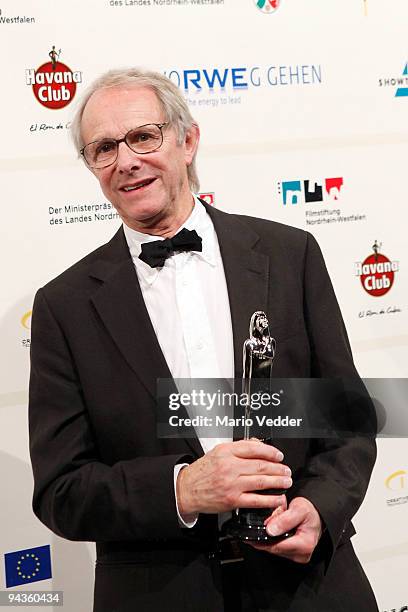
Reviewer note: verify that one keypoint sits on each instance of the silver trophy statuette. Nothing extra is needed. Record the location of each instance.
(258, 355)
(259, 351)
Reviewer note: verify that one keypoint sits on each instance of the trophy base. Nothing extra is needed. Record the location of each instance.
(246, 532)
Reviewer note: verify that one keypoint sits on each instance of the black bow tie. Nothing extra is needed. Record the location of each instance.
(155, 253)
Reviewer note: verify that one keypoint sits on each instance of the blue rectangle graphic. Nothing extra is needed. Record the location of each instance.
(30, 565)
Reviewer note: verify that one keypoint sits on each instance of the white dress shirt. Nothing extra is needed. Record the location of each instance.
(187, 301)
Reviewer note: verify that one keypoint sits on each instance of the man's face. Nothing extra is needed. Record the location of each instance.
(160, 177)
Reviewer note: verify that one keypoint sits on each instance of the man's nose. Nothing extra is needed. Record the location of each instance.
(127, 159)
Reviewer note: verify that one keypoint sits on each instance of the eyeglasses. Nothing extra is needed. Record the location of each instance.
(143, 139)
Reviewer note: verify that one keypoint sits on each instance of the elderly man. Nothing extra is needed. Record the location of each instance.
(153, 303)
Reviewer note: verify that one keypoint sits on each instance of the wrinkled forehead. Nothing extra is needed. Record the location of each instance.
(113, 111)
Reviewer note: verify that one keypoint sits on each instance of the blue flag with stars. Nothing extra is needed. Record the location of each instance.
(25, 566)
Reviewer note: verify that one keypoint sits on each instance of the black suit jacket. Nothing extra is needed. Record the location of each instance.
(101, 473)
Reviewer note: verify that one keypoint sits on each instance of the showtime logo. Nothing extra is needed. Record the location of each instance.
(401, 83)
(54, 83)
(377, 272)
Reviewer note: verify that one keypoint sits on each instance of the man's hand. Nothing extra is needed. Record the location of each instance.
(302, 515)
(227, 476)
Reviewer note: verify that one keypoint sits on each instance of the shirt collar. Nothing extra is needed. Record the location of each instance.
(198, 220)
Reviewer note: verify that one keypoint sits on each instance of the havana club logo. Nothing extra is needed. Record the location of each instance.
(54, 84)
(377, 272)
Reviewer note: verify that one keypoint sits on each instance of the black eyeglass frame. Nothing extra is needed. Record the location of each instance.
(124, 139)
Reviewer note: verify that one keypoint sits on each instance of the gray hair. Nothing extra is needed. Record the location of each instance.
(175, 107)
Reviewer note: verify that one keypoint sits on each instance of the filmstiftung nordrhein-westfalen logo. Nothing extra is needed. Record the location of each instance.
(54, 84)
(377, 272)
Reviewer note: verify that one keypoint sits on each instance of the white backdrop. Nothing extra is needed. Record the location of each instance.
(311, 91)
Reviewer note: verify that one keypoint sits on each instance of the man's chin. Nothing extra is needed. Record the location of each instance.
(143, 219)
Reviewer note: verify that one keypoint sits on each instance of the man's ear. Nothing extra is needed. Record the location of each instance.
(191, 140)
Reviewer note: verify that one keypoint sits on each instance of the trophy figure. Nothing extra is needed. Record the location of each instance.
(258, 355)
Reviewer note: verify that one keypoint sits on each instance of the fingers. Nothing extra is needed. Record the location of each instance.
(286, 521)
(254, 483)
(263, 467)
(301, 515)
(255, 449)
(297, 548)
(253, 500)
(246, 464)
(229, 477)
(278, 510)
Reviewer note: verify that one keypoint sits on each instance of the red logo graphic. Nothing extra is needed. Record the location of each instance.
(209, 198)
(377, 272)
(333, 187)
(54, 83)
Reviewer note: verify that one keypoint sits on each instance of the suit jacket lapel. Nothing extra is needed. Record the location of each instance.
(247, 275)
(120, 304)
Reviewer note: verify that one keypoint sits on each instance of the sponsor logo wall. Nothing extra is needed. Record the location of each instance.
(297, 126)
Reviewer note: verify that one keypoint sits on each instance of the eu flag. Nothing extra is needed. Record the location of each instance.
(25, 566)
